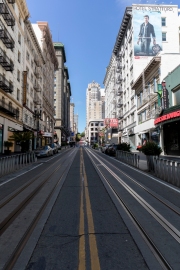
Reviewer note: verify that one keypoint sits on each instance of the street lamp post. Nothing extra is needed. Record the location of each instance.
(37, 116)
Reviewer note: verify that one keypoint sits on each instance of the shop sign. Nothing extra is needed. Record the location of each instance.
(167, 117)
(165, 95)
(47, 134)
(111, 122)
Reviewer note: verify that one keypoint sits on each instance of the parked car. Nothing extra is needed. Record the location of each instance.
(111, 150)
(54, 147)
(58, 145)
(45, 151)
(104, 147)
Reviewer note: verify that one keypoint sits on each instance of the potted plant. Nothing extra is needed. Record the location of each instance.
(124, 147)
(7, 144)
(151, 149)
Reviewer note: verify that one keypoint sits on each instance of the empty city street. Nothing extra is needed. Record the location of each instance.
(82, 209)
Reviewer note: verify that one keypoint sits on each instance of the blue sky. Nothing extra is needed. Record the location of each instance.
(88, 30)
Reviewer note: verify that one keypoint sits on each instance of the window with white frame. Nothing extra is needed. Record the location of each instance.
(176, 97)
(164, 38)
(163, 21)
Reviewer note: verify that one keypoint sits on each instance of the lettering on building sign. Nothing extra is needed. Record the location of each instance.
(165, 97)
(24, 86)
(167, 117)
(153, 8)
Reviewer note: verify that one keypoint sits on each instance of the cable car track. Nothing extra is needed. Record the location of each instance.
(174, 232)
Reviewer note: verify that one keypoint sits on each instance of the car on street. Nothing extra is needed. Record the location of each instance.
(58, 145)
(54, 147)
(45, 151)
(111, 150)
(104, 147)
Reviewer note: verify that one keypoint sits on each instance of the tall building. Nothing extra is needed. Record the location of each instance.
(12, 21)
(94, 111)
(44, 38)
(76, 118)
(134, 48)
(62, 94)
(72, 124)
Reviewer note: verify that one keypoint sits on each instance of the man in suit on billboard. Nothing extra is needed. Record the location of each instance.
(145, 34)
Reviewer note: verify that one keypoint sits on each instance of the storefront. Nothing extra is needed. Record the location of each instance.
(172, 138)
(169, 124)
(47, 138)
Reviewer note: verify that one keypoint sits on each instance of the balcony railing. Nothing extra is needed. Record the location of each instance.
(120, 116)
(119, 79)
(6, 37)
(120, 104)
(37, 60)
(5, 84)
(37, 87)
(5, 62)
(8, 109)
(36, 72)
(37, 101)
(6, 14)
(119, 67)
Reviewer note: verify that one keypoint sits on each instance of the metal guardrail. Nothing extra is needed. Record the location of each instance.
(12, 163)
(167, 170)
(128, 157)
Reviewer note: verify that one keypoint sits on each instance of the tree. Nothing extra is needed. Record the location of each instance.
(78, 137)
(23, 137)
(82, 134)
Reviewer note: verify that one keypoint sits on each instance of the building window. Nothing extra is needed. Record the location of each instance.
(18, 94)
(19, 38)
(10, 106)
(18, 76)
(27, 69)
(26, 118)
(17, 113)
(139, 119)
(27, 56)
(163, 36)
(163, 21)
(176, 97)
(19, 57)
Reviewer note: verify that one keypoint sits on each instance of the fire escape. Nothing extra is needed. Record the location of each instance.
(5, 61)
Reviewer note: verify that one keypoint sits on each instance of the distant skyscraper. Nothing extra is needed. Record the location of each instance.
(95, 111)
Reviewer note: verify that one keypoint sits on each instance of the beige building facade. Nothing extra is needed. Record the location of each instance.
(94, 111)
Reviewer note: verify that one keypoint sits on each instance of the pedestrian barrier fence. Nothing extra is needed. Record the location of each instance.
(128, 157)
(167, 170)
(12, 163)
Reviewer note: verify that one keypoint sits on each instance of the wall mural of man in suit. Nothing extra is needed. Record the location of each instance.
(146, 33)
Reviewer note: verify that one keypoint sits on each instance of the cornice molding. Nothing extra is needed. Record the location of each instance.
(23, 9)
(48, 39)
(35, 41)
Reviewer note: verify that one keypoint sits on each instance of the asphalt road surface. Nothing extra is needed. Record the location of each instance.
(86, 210)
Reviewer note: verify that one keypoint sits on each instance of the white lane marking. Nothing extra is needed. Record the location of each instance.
(5, 182)
(159, 181)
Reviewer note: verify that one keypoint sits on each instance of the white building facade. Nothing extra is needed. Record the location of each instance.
(13, 15)
(129, 60)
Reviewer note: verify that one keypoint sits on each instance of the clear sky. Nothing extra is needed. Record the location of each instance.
(88, 30)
